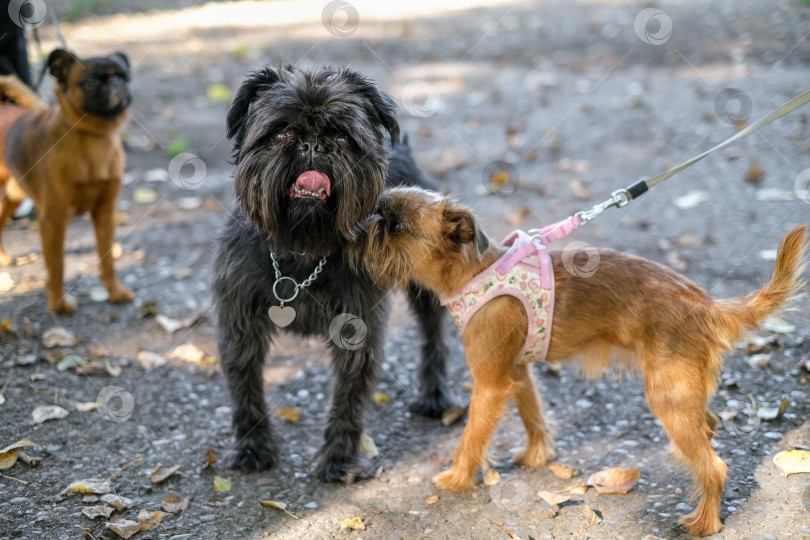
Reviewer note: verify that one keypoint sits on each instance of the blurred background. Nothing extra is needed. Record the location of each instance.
(527, 111)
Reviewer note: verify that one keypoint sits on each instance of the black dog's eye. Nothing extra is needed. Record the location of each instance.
(281, 136)
(395, 226)
(342, 140)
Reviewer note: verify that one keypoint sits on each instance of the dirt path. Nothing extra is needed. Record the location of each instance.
(578, 104)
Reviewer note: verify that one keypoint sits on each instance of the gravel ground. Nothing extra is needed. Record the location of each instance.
(578, 104)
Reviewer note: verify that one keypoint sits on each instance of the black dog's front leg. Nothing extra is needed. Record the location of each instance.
(434, 395)
(256, 442)
(355, 374)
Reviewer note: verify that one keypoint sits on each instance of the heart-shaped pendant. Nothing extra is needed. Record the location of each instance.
(281, 316)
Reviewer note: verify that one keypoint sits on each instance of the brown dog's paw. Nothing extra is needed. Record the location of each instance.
(454, 479)
(121, 295)
(534, 457)
(701, 525)
(6, 259)
(64, 306)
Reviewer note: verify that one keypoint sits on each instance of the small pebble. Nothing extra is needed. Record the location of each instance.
(208, 518)
(18, 500)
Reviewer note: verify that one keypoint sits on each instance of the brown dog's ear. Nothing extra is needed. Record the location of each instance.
(59, 63)
(460, 226)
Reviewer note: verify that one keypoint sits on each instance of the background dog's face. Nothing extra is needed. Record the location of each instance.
(310, 156)
(418, 235)
(97, 86)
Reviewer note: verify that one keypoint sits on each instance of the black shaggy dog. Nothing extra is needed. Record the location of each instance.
(311, 163)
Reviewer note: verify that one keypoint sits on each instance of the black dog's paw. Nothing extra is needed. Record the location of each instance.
(432, 405)
(345, 471)
(253, 454)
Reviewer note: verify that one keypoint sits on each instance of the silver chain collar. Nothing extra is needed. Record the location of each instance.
(296, 286)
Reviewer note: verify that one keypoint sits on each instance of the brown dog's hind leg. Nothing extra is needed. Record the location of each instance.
(10, 198)
(104, 225)
(540, 447)
(679, 401)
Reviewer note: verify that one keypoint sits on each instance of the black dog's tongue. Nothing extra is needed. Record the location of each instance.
(311, 184)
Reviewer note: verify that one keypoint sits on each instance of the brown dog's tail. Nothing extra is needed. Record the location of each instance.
(14, 90)
(745, 313)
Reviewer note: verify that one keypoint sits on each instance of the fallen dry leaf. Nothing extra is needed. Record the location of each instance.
(517, 217)
(58, 337)
(367, 446)
(222, 484)
(98, 511)
(150, 360)
(355, 524)
(124, 528)
(755, 174)
(150, 520)
(491, 477)
(562, 470)
(793, 461)
(89, 499)
(192, 354)
(772, 413)
(99, 486)
(692, 199)
(453, 415)
(651, 537)
(212, 458)
(554, 499)
(576, 489)
(173, 503)
(9, 454)
(43, 413)
(161, 473)
(289, 414)
(381, 397)
(88, 406)
(280, 506)
(579, 191)
(594, 517)
(759, 360)
(777, 325)
(616, 480)
(116, 501)
(433, 499)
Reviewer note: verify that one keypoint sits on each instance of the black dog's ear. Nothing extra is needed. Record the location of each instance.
(240, 106)
(460, 226)
(121, 59)
(59, 63)
(379, 106)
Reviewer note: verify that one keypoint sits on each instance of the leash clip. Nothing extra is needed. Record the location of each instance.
(619, 198)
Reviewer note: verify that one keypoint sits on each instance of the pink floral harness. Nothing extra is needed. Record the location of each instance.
(525, 272)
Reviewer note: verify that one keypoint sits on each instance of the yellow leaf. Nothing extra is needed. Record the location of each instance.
(381, 397)
(793, 461)
(8, 455)
(280, 506)
(562, 471)
(212, 458)
(453, 415)
(367, 446)
(616, 480)
(150, 520)
(433, 499)
(553, 498)
(222, 484)
(354, 523)
(219, 93)
(289, 414)
(90, 485)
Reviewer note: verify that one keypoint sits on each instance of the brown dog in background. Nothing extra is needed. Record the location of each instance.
(669, 329)
(68, 159)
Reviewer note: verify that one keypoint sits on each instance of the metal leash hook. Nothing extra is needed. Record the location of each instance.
(619, 198)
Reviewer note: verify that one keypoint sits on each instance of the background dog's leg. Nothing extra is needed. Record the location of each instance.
(681, 407)
(243, 346)
(355, 374)
(434, 395)
(10, 198)
(52, 228)
(540, 447)
(104, 225)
